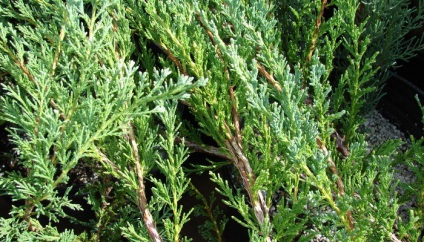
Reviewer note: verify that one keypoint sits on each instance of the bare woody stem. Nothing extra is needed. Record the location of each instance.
(172, 58)
(142, 200)
(234, 147)
(202, 149)
(317, 26)
(236, 119)
(269, 77)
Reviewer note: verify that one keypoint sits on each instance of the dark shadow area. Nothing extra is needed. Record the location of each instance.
(399, 104)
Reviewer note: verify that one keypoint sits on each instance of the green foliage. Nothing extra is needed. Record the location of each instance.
(415, 191)
(101, 84)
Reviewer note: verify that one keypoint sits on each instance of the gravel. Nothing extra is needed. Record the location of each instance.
(380, 130)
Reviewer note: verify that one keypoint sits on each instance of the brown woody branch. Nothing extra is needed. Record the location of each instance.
(18, 62)
(25, 70)
(317, 26)
(172, 58)
(269, 77)
(339, 182)
(142, 200)
(235, 116)
(248, 178)
(202, 149)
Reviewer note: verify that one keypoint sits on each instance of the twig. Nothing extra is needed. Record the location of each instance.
(106, 161)
(61, 114)
(317, 26)
(235, 115)
(394, 238)
(210, 150)
(340, 145)
(105, 204)
(172, 58)
(269, 77)
(17, 61)
(210, 35)
(142, 200)
(57, 52)
(209, 211)
(218, 51)
(339, 182)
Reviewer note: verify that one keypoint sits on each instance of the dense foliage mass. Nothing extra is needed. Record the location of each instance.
(272, 92)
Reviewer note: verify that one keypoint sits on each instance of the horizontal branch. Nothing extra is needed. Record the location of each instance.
(210, 150)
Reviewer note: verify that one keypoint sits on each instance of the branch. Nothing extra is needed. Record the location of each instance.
(339, 142)
(269, 77)
(106, 161)
(339, 182)
(59, 46)
(235, 116)
(242, 163)
(172, 58)
(17, 61)
(210, 150)
(315, 35)
(209, 211)
(248, 177)
(218, 51)
(394, 238)
(142, 200)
